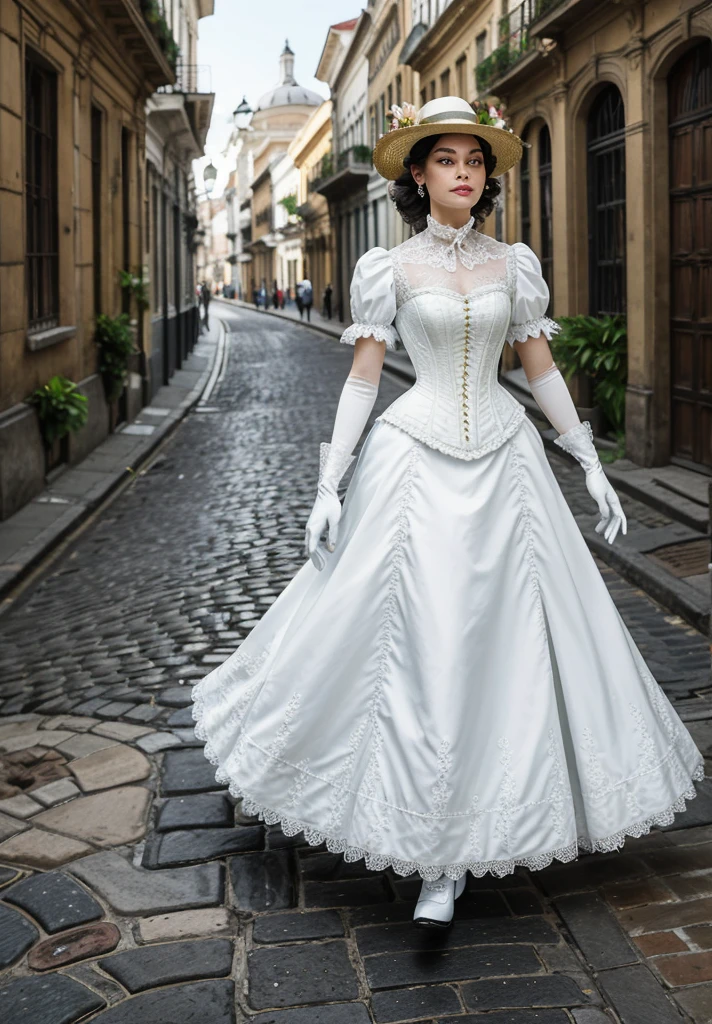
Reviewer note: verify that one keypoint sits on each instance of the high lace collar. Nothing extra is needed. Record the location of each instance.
(441, 245)
(451, 236)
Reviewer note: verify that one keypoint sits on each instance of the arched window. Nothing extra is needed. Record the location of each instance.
(690, 113)
(545, 210)
(606, 188)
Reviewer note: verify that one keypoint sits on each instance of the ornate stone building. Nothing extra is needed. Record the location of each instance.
(278, 117)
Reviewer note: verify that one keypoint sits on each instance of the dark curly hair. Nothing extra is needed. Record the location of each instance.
(414, 210)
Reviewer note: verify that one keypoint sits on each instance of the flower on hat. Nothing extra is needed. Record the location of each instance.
(489, 114)
(402, 117)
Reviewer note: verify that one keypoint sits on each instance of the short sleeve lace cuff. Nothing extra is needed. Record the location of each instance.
(381, 332)
(532, 329)
(373, 299)
(530, 300)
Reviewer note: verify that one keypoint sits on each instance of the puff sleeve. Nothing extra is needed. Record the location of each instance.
(373, 299)
(530, 300)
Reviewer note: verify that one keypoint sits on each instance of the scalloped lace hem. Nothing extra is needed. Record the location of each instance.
(457, 451)
(381, 332)
(379, 862)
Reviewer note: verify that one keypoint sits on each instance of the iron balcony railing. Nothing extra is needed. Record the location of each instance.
(515, 41)
(191, 78)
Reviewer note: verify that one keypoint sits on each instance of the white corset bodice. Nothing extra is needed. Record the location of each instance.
(453, 298)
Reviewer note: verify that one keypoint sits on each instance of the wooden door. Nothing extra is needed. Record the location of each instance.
(690, 106)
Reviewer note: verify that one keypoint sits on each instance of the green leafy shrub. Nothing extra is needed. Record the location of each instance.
(115, 342)
(598, 347)
(137, 286)
(61, 408)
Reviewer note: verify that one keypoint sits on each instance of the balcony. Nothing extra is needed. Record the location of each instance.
(194, 84)
(143, 40)
(511, 62)
(554, 16)
(353, 169)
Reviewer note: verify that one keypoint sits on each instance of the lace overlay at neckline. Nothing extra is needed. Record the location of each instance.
(441, 246)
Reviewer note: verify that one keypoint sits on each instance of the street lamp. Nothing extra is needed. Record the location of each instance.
(241, 114)
(209, 175)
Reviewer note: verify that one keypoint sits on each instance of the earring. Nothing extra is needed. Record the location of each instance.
(421, 191)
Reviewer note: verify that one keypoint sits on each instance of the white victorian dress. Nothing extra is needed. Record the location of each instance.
(456, 689)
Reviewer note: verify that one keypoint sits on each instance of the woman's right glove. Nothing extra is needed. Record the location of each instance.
(357, 399)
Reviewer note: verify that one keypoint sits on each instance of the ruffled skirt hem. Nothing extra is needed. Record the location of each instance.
(375, 861)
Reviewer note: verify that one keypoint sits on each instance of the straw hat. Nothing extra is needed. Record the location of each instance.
(446, 114)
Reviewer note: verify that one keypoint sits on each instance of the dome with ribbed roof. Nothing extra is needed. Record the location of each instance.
(288, 92)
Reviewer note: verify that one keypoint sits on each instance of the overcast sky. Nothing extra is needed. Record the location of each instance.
(241, 44)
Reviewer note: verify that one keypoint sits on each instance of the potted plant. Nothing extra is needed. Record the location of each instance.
(115, 342)
(61, 408)
(598, 348)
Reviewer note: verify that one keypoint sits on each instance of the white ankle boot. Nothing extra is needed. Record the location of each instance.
(436, 902)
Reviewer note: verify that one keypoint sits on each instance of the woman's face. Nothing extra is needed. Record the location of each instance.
(453, 173)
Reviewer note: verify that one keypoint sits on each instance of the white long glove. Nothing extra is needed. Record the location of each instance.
(357, 399)
(576, 437)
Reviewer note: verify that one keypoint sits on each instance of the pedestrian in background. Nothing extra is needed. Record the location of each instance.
(205, 298)
(327, 301)
(263, 293)
(307, 296)
(280, 298)
(298, 299)
(275, 295)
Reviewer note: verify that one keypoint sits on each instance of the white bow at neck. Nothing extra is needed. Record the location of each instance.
(453, 242)
(453, 236)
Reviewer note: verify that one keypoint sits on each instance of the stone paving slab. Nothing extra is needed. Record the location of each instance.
(334, 1013)
(53, 998)
(185, 924)
(205, 810)
(262, 882)
(137, 892)
(415, 1003)
(290, 975)
(169, 962)
(17, 934)
(55, 900)
(298, 925)
(425, 966)
(90, 941)
(203, 1002)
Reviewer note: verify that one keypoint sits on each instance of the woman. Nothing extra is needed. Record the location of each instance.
(447, 685)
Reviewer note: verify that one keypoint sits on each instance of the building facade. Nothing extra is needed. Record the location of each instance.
(616, 194)
(178, 118)
(83, 94)
(310, 148)
(345, 174)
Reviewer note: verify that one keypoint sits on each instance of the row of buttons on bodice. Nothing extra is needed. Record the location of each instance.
(465, 379)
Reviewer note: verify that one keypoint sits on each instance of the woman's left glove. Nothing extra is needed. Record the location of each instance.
(579, 442)
(576, 437)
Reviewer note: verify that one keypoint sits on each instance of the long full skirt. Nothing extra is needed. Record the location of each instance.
(456, 690)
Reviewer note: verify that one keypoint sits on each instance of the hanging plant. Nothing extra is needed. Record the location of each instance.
(115, 342)
(137, 286)
(61, 408)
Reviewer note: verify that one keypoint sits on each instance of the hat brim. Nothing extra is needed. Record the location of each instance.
(393, 147)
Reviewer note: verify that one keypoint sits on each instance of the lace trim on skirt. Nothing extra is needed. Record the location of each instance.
(378, 861)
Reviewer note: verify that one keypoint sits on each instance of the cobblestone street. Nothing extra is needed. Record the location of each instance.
(133, 889)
